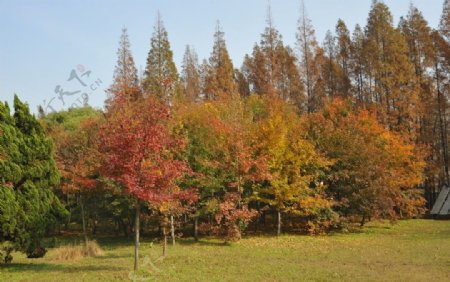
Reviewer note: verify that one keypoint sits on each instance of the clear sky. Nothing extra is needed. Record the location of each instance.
(43, 41)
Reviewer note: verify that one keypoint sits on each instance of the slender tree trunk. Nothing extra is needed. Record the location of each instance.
(172, 229)
(83, 219)
(258, 217)
(70, 215)
(196, 229)
(165, 241)
(363, 220)
(136, 236)
(278, 223)
(442, 126)
(263, 219)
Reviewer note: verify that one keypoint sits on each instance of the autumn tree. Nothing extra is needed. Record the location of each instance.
(161, 75)
(358, 67)
(393, 89)
(444, 24)
(75, 135)
(224, 157)
(242, 82)
(141, 154)
(293, 164)
(375, 172)
(219, 76)
(272, 69)
(421, 53)
(190, 75)
(307, 44)
(441, 82)
(343, 57)
(329, 69)
(125, 80)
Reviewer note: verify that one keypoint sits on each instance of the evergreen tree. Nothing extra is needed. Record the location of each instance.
(28, 174)
(161, 76)
(125, 81)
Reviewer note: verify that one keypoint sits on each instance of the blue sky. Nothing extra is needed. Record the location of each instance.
(43, 41)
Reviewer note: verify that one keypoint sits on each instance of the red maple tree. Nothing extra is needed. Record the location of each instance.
(142, 155)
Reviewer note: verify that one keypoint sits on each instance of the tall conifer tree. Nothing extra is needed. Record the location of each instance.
(161, 76)
(394, 89)
(219, 80)
(190, 74)
(307, 44)
(125, 81)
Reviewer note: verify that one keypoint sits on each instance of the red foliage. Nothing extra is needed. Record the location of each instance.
(230, 218)
(141, 153)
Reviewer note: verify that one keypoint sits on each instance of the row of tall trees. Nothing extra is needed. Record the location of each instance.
(323, 136)
(310, 138)
(400, 73)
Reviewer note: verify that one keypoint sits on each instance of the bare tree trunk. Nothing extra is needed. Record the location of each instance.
(136, 236)
(442, 126)
(279, 223)
(196, 229)
(83, 219)
(172, 230)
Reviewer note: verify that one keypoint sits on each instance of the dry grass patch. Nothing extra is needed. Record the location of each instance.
(76, 252)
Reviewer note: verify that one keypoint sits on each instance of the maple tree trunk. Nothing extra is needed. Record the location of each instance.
(172, 230)
(83, 220)
(136, 237)
(278, 223)
(196, 228)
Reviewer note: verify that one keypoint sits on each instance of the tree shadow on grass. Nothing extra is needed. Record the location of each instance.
(203, 242)
(48, 267)
(113, 256)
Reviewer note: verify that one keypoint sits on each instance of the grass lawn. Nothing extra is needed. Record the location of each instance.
(413, 250)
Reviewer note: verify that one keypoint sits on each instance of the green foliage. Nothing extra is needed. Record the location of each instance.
(161, 75)
(28, 206)
(69, 120)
